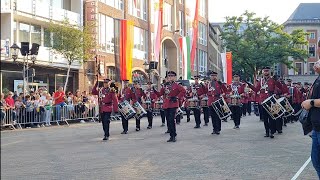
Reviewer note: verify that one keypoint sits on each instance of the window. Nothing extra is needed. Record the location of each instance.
(138, 8)
(181, 23)
(36, 34)
(15, 31)
(312, 50)
(311, 35)
(164, 55)
(202, 34)
(202, 8)
(118, 4)
(140, 43)
(24, 32)
(47, 38)
(111, 72)
(167, 23)
(202, 58)
(106, 33)
(311, 71)
(299, 68)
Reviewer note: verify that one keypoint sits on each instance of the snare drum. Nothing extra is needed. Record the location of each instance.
(126, 110)
(221, 108)
(158, 106)
(235, 100)
(147, 105)
(204, 102)
(273, 107)
(193, 103)
(140, 111)
(179, 112)
(286, 104)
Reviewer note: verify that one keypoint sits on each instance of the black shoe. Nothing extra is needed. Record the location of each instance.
(237, 127)
(285, 125)
(206, 124)
(170, 140)
(271, 136)
(174, 139)
(292, 121)
(105, 138)
(266, 135)
(178, 123)
(167, 132)
(188, 120)
(217, 132)
(149, 127)
(225, 120)
(162, 125)
(137, 129)
(279, 132)
(197, 127)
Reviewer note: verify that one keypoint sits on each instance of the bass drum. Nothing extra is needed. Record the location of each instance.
(140, 111)
(126, 110)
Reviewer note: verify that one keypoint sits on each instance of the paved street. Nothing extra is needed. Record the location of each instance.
(78, 152)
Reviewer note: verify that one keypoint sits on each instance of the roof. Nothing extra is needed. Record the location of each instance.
(306, 11)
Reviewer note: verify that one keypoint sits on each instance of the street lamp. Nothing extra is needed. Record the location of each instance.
(14, 51)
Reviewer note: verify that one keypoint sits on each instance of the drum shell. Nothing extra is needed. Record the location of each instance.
(270, 104)
(193, 103)
(221, 108)
(140, 111)
(126, 110)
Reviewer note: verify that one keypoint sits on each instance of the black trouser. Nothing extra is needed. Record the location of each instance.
(296, 107)
(137, 122)
(249, 107)
(188, 113)
(170, 116)
(279, 123)
(197, 113)
(236, 112)
(216, 121)
(269, 123)
(163, 116)
(105, 117)
(150, 117)
(125, 123)
(261, 109)
(244, 108)
(178, 119)
(206, 114)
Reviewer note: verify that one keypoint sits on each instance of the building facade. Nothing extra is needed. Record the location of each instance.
(27, 21)
(215, 49)
(306, 17)
(176, 23)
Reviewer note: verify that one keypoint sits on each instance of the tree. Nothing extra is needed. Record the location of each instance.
(74, 43)
(257, 42)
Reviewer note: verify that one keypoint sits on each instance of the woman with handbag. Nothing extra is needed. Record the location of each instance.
(312, 105)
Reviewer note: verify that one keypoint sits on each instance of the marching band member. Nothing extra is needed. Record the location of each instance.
(214, 90)
(224, 95)
(279, 121)
(205, 109)
(236, 91)
(108, 102)
(180, 116)
(196, 91)
(244, 101)
(163, 116)
(266, 88)
(290, 98)
(186, 102)
(296, 99)
(125, 95)
(172, 93)
(285, 92)
(149, 99)
(251, 100)
(137, 97)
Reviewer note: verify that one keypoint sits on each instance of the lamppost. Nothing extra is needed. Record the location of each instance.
(25, 52)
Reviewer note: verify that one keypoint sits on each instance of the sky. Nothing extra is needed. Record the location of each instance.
(278, 10)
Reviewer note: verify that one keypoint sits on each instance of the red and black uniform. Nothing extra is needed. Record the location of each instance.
(251, 99)
(108, 103)
(196, 90)
(214, 90)
(265, 88)
(150, 97)
(172, 93)
(137, 97)
(127, 95)
(236, 88)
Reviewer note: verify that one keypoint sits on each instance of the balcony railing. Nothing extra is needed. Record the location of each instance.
(40, 9)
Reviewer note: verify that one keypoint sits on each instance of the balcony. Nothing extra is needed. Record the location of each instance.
(42, 10)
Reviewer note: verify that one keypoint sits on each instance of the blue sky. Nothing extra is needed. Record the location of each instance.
(278, 10)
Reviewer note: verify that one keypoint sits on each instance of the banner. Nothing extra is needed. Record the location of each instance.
(229, 67)
(184, 43)
(224, 66)
(195, 34)
(158, 23)
(126, 48)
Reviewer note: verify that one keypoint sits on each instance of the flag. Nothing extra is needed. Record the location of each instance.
(135, 3)
(229, 67)
(223, 61)
(126, 48)
(157, 29)
(184, 43)
(194, 34)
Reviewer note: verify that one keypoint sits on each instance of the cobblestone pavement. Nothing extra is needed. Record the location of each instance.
(78, 152)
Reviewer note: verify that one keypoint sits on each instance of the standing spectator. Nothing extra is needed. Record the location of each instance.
(38, 109)
(32, 95)
(59, 98)
(15, 95)
(48, 109)
(20, 109)
(10, 103)
(3, 107)
(70, 105)
(30, 111)
(313, 105)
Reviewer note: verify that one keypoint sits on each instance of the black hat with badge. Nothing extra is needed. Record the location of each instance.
(212, 73)
(236, 75)
(289, 80)
(172, 73)
(196, 77)
(266, 68)
(149, 82)
(106, 80)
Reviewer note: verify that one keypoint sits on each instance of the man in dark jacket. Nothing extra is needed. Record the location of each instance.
(313, 105)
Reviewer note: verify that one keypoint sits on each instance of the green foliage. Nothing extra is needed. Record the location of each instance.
(72, 42)
(257, 42)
